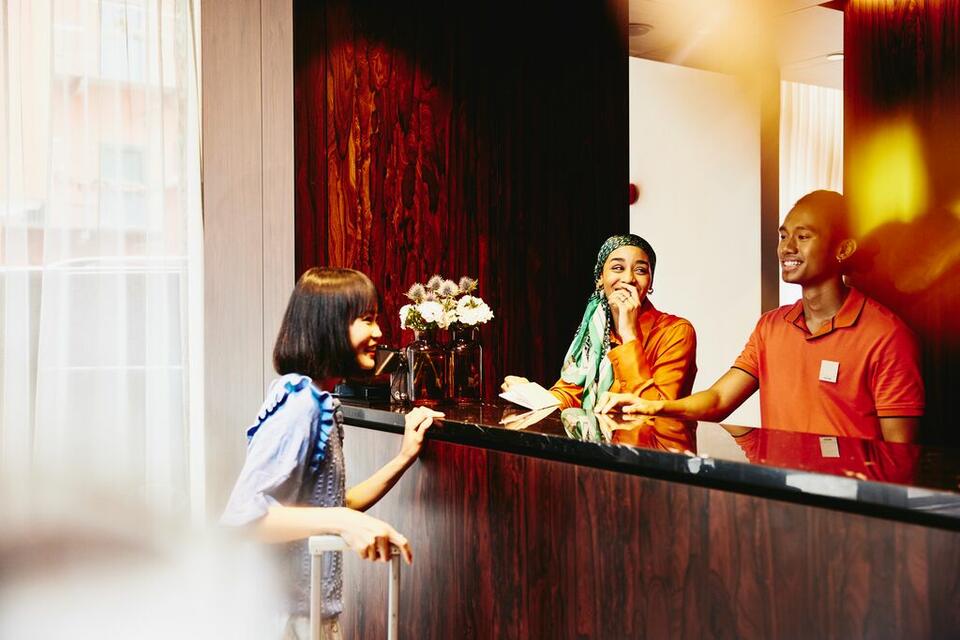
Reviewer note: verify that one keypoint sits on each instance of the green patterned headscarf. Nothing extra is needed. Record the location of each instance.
(586, 363)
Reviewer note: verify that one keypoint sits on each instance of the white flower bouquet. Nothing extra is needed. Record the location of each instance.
(443, 304)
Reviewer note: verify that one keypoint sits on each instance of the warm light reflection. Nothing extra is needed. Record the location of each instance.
(723, 35)
(955, 208)
(888, 183)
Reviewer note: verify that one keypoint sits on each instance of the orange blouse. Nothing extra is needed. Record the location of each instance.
(660, 364)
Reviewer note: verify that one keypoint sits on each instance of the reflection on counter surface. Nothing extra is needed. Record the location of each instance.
(862, 459)
(638, 431)
(908, 482)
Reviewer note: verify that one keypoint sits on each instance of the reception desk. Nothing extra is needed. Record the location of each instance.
(573, 526)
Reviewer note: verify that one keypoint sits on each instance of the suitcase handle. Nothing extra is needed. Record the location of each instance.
(320, 544)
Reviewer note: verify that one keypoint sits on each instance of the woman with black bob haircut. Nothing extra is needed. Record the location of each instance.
(311, 340)
(292, 484)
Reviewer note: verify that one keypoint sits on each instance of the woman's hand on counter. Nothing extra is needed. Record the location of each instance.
(610, 401)
(362, 496)
(627, 403)
(643, 407)
(509, 381)
(416, 424)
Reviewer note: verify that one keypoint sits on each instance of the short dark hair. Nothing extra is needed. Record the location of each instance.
(314, 337)
(833, 207)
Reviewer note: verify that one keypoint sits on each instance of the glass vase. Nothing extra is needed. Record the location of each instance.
(426, 369)
(466, 365)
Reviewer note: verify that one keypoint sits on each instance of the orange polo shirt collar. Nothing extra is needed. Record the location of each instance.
(847, 316)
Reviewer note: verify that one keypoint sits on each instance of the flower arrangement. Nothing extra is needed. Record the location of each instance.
(443, 304)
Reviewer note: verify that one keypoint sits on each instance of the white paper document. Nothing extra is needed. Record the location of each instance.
(523, 420)
(530, 395)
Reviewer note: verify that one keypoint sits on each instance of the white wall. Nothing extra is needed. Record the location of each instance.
(695, 155)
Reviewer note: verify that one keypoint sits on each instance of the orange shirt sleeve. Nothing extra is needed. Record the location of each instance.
(749, 443)
(896, 380)
(669, 376)
(749, 359)
(569, 395)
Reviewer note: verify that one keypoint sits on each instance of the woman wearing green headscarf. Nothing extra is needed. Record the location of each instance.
(624, 344)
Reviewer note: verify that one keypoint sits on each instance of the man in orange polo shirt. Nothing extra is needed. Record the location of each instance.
(834, 363)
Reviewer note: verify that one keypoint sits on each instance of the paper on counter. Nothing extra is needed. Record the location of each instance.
(523, 420)
(530, 395)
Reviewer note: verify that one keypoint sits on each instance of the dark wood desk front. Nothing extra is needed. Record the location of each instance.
(543, 533)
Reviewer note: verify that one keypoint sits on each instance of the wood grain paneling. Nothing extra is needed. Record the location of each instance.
(457, 139)
(902, 69)
(508, 546)
(276, 33)
(233, 237)
(247, 130)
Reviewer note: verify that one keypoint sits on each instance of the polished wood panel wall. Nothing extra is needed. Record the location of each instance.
(902, 143)
(507, 546)
(484, 139)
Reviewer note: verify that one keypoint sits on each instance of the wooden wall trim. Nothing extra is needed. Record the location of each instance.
(277, 144)
(769, 187)
(246, 89)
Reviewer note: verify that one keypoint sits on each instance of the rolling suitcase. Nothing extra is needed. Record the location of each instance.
(318, 545)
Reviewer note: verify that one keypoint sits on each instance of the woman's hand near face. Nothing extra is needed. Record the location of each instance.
(625, 303)
(509, 381)
(416, 424)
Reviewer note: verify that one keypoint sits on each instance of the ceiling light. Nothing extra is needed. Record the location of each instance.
(833, 57)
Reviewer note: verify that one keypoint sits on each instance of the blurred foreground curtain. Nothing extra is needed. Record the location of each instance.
(100, 229)
(811, 149)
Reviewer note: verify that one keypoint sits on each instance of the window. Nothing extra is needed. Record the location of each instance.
(123, 189)
(99, 247)
(123, 51)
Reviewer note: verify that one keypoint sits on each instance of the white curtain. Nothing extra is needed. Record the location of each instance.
(99, 229)
(811, 149)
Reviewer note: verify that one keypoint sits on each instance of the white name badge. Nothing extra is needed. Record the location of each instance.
(829, 447)
(829, 370)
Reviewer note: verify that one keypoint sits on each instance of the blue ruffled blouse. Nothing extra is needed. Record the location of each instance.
(294, 458)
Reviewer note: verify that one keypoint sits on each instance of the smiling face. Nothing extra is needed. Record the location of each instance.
(626, 265)
(364, 334)
(808, 250)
